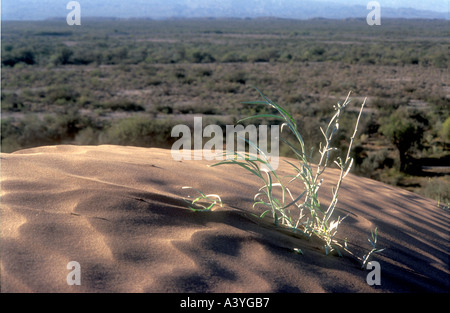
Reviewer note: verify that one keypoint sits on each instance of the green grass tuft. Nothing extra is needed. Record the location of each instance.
(302, 213)
(203, 202)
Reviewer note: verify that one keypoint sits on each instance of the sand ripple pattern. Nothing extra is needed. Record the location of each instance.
(119, 212)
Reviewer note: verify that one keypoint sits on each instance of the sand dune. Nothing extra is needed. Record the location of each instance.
(119, 212)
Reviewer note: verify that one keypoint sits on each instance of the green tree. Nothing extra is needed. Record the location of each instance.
(405, 132)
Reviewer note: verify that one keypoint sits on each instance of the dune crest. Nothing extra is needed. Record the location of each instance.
(119, 212)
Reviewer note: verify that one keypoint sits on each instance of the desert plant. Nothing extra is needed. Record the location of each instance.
(365, 259)
(310, 218)
(203, 202)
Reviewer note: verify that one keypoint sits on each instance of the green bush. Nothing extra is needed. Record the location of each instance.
(140, 131)
(61, 94)
(265, 55)
(375, 161)
(12, 102)
(438, 189)
(23, 55)
(87, 136)
(237, 77)
(33, 131)
(121, 105)
(62, 57)
(233, 56)
(445, 130)
(202, 57)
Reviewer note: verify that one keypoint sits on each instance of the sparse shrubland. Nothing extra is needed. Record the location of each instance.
(87, 85)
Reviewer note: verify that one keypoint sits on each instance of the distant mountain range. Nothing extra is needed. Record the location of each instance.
(296, 9)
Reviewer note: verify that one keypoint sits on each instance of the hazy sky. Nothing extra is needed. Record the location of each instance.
(32, 9)
(433, 5)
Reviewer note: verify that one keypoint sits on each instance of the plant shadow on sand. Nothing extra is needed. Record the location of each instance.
(127, 224)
